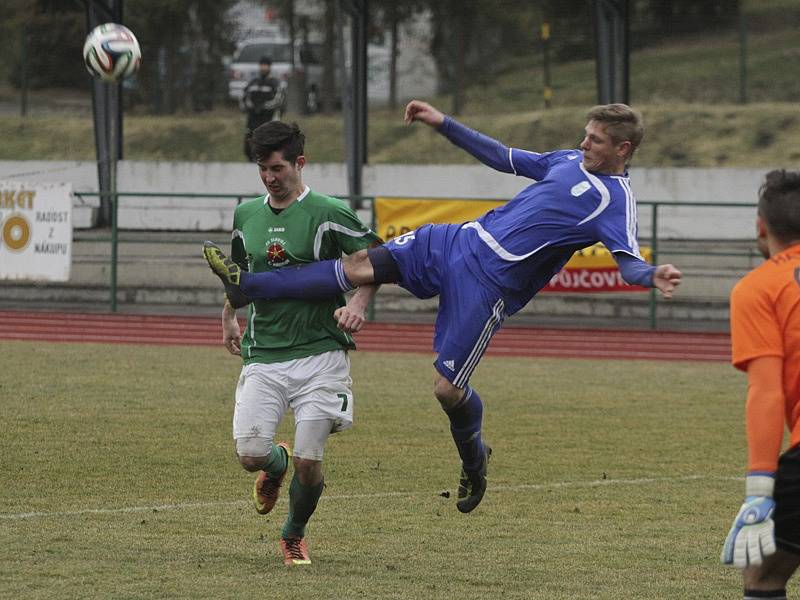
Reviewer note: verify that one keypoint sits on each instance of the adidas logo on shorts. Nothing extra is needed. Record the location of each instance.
(450, 364)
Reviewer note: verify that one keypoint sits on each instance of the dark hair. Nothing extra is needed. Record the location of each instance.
(779, 204)
(265, 60)
(276, 136)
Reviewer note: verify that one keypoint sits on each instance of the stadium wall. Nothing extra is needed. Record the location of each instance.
(686, 185)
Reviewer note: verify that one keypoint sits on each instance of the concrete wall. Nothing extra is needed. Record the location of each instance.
(685, 185)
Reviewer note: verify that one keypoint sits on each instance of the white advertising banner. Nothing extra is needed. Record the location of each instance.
(35, 231)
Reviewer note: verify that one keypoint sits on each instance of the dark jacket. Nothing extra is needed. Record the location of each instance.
(262, 97)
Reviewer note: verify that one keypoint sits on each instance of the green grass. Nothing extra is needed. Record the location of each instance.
(697, 135)
(601, 487)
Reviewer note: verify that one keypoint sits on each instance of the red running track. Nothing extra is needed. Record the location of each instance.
(375, 337)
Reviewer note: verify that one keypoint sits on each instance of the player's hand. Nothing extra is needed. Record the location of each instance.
(232, 335)
(349, 319)
(416, 110)
(752, 535)
(666, 278)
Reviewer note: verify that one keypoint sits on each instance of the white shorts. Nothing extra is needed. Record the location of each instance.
(315, 388)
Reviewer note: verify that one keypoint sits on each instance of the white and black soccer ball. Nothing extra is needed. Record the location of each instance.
(111, 52)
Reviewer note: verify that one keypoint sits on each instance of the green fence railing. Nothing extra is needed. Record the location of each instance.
(654, 207)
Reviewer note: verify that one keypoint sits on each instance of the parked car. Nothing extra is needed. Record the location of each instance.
(307, 61)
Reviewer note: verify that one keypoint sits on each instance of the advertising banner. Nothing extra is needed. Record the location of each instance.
(35, 231)
(592, 269)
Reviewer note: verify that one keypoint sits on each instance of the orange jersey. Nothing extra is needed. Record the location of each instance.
(765, 322)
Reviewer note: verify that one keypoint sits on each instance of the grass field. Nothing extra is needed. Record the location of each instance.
(609, 480)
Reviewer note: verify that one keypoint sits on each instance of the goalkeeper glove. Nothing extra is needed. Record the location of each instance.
(752, 535)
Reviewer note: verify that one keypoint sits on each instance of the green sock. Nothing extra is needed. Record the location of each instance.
(277, 461)
(302, 504)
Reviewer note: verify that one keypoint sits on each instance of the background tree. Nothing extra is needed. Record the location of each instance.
(54, 33)
(183, 42)
(389, 16)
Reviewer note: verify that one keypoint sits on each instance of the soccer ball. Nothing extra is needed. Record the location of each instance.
(111, 52)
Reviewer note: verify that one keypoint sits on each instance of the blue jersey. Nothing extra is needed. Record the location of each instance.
(520, 246)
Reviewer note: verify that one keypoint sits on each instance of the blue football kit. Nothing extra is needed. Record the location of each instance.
(487, 269)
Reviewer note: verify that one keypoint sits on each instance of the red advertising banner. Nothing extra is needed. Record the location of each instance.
(593, 269)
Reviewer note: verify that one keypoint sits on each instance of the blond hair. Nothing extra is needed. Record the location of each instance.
(622, 123)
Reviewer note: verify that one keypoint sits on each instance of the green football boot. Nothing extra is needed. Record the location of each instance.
(228, 272)
(472, 485)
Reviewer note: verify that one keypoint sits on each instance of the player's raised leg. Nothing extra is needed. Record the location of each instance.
(316, 280)
(228, 272)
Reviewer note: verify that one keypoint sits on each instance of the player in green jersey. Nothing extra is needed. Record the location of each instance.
(294, 355)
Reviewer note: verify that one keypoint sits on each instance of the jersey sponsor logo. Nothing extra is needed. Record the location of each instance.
(276, 229)
(450, 364)
(580, 188)
(572, 157)
(276, 252)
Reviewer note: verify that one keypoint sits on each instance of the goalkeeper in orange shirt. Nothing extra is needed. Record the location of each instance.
(765, 330)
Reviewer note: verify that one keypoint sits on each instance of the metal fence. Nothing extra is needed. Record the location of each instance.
(655, 238)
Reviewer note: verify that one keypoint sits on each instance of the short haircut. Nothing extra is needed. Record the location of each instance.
(622, 123)
(779, 204)
(276, 136)
(265, 60)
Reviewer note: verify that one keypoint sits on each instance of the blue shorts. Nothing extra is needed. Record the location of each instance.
(470, 311)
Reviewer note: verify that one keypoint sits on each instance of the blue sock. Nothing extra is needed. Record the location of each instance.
(465, 426)
(314, 281)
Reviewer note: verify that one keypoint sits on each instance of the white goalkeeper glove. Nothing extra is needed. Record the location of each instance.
(752, 535)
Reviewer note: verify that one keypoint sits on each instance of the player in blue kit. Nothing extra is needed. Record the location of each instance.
(488, 269)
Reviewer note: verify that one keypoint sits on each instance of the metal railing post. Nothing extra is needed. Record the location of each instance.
(371, 307)
(114, 247)
(654, 254)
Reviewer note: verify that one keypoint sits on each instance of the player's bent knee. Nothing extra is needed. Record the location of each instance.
(446, 393)
(252, 463)
(253, 452)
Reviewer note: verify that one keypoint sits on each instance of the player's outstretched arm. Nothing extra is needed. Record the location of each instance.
(636, 271)
(666, 278)
(351, 317)
(416, 110)
(487, 150)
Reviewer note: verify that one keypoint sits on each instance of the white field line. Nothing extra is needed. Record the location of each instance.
(376, 495)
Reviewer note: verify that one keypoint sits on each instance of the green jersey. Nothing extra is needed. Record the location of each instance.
(314, 227)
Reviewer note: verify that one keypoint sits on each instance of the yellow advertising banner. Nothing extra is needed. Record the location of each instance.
(396, 216)
(592, 269)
